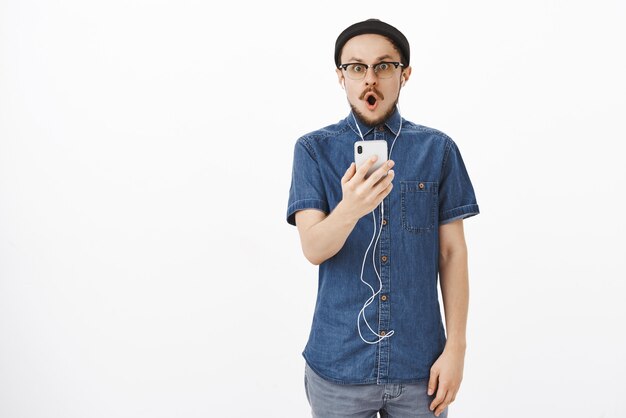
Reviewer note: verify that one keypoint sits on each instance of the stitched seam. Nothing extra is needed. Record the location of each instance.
(308, 146)
(403, 197)
(460, 209)
(445, 158)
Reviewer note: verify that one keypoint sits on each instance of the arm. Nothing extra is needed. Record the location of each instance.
(453, 274)
(447, 372)
(321, 235)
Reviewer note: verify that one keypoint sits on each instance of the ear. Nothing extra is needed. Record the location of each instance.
(405, 75)
(340, 79)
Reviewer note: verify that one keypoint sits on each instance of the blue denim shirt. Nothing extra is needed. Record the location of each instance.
(431, 187)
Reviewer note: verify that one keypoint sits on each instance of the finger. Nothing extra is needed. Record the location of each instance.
(349, 173)
(432, 382)
(383, 194)
(384, 183)
(452, 395)
(379, 173)
(441, 395)
(362, 171)
(447, 401)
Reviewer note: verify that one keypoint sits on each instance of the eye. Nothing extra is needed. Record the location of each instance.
(383, 66)
(358, 68)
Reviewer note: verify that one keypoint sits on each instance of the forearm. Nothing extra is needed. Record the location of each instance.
(453, 273)
(324, 239)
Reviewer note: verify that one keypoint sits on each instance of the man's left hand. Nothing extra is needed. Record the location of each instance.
(445, 376)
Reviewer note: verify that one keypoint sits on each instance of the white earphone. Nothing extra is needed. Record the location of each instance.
(376, 235)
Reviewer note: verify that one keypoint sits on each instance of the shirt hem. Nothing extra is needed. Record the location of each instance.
(460, 212)
(304, 204)
(363, 382)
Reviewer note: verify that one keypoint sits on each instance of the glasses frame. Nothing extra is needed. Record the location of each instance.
(344, 67)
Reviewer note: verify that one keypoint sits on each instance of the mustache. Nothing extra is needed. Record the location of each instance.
(373, 90)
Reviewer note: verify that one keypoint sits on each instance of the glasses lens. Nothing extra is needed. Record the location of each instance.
(356, 71)
(384, 69)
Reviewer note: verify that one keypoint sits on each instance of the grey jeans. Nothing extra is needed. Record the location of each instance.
(332, 400)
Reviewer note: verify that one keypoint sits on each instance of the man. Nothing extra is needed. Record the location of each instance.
(377, 342)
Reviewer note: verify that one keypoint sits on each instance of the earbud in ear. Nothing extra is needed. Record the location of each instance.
(403, 81)
(343, 83)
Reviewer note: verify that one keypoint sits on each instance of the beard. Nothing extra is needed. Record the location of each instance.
(375, 121)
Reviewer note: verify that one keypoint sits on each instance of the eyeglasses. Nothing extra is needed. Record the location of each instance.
(357, 71)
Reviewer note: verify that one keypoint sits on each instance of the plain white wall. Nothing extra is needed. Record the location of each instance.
(146, 267)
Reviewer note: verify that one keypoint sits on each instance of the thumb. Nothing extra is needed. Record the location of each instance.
(349, 173)
(432, 382)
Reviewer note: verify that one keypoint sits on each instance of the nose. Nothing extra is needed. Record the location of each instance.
(370, 77)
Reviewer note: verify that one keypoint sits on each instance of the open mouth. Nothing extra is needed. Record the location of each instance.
(371, 101)
(371, 97)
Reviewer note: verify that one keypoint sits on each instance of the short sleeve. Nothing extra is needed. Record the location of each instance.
(307, 189)
(456, 193)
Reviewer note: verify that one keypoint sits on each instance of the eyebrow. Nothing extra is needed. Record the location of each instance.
(379, 59)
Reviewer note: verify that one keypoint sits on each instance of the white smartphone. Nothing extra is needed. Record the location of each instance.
(363, 150)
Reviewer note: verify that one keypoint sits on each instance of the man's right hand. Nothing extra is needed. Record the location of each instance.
(321, 235)
(362, 195)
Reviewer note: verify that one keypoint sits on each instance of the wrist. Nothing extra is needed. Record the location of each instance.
(345, 214)
(455, 344)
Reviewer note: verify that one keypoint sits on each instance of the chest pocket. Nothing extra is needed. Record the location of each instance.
(419, 202)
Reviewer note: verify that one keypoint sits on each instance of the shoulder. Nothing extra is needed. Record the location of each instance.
(325, 133)
(316, 142)
(433, 139)
(422, 131)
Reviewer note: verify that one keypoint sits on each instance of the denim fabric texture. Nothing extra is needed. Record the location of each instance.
(431, 187)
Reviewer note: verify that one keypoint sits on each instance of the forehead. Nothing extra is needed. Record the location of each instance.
(369, 47)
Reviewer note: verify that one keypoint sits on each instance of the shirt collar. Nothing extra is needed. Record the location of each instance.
(392, 123)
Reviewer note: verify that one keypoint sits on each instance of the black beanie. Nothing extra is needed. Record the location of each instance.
(373, 26)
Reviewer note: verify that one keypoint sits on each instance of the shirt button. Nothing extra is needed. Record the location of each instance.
(383, 333)
(384, 222)
(383, 298)
(421, 185)
(381, 128)
(384, 258)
